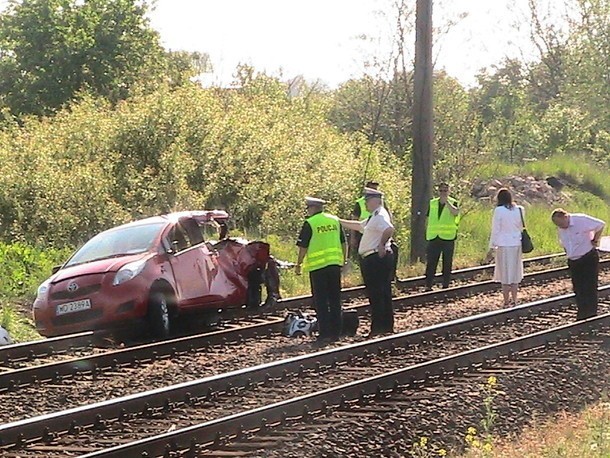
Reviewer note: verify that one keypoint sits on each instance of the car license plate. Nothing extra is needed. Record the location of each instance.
(70, 307)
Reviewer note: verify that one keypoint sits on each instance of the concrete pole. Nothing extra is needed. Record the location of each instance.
(423, 131)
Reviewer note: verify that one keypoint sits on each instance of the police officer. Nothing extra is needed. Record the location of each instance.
(360, 213)
(322, 252)
(376, 260)
(441, 232)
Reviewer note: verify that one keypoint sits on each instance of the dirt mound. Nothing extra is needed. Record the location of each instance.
(525, 190)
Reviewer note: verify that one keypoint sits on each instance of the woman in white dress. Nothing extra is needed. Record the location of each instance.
(505, 240)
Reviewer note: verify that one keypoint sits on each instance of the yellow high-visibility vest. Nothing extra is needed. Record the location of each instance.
(444, 227)
(364, 213)
(325, 244)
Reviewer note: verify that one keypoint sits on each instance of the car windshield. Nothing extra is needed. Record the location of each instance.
(118, 242)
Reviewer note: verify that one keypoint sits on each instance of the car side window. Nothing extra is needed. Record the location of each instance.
(192, 230)
(177, 239)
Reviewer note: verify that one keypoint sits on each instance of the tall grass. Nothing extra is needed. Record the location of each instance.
(19, 325)
(576, 170)
(22, 268)
(580, 435)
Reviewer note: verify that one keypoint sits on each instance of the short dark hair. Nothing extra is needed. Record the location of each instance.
(559, 212)
(505, 198)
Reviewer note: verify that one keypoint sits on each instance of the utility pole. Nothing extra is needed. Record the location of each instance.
(423, 132)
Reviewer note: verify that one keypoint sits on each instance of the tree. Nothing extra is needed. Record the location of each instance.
(50, 50)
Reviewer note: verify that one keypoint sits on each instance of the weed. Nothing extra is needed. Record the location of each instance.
(422, 449)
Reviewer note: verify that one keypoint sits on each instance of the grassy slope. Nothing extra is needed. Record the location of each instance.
(585, 435)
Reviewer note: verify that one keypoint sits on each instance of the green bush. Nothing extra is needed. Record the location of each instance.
(255, 151)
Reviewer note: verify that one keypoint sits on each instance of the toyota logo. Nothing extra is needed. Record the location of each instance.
(72, 287)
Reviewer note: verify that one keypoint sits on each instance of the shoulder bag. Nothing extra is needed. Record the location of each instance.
(526, 241)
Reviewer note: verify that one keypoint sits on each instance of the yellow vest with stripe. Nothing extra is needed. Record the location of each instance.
(444, 227)
(364, 213)
(325, 245)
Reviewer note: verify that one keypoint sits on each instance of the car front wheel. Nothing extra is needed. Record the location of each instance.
(158, 316)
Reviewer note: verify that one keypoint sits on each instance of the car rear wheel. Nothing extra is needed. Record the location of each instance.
(158, 316)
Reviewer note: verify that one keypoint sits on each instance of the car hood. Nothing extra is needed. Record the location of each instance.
(102, 266)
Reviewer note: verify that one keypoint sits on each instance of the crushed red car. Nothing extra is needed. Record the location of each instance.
(152, 271)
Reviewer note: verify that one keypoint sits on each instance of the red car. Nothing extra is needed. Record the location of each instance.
(152, 271)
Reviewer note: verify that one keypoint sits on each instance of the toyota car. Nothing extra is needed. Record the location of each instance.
(148, 272)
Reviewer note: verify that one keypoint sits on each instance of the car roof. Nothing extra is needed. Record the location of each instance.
(170, 218)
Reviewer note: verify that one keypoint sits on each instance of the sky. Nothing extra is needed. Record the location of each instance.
(323, 39)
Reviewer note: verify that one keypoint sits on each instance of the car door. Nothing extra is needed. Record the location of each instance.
(191, 263)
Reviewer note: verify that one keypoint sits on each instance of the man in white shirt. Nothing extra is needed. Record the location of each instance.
(579, 235)
(377, 260)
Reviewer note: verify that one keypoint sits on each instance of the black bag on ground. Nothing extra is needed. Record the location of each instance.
(527, 246)
(350, 322)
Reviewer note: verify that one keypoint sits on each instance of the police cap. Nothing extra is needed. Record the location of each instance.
(370, 193)
(314, 202)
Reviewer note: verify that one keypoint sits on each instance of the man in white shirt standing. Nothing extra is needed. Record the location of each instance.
(377, 260)
(579, 235)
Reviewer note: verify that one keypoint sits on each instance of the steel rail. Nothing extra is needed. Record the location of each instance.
(194, 438)
(467, 273)
(26, 351)
(131, 356)
(42, 348)
(94, 415)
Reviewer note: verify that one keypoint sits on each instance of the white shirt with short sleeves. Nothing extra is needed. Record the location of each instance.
(576, 238)
(372, 230)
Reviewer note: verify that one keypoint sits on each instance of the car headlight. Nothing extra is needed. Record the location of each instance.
(43, 289)
(129, 271)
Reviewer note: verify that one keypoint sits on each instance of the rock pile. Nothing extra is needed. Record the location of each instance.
(525, 190)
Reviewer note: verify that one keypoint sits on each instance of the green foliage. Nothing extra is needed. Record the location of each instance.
(255, 151)
(558, 104)
(377, 108)
(23, 267)
(53, 50)
(457, 138)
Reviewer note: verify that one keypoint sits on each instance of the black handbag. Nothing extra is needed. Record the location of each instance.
(527, 246)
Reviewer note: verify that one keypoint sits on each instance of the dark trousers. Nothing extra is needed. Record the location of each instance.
(377, 276)
(585, 272)
(434, 250)
(326, 292)
(395, 250)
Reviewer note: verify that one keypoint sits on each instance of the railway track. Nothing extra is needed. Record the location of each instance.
(528, 386)
(246, 427)
(66, 368)
(352, 372)
(40, 351)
